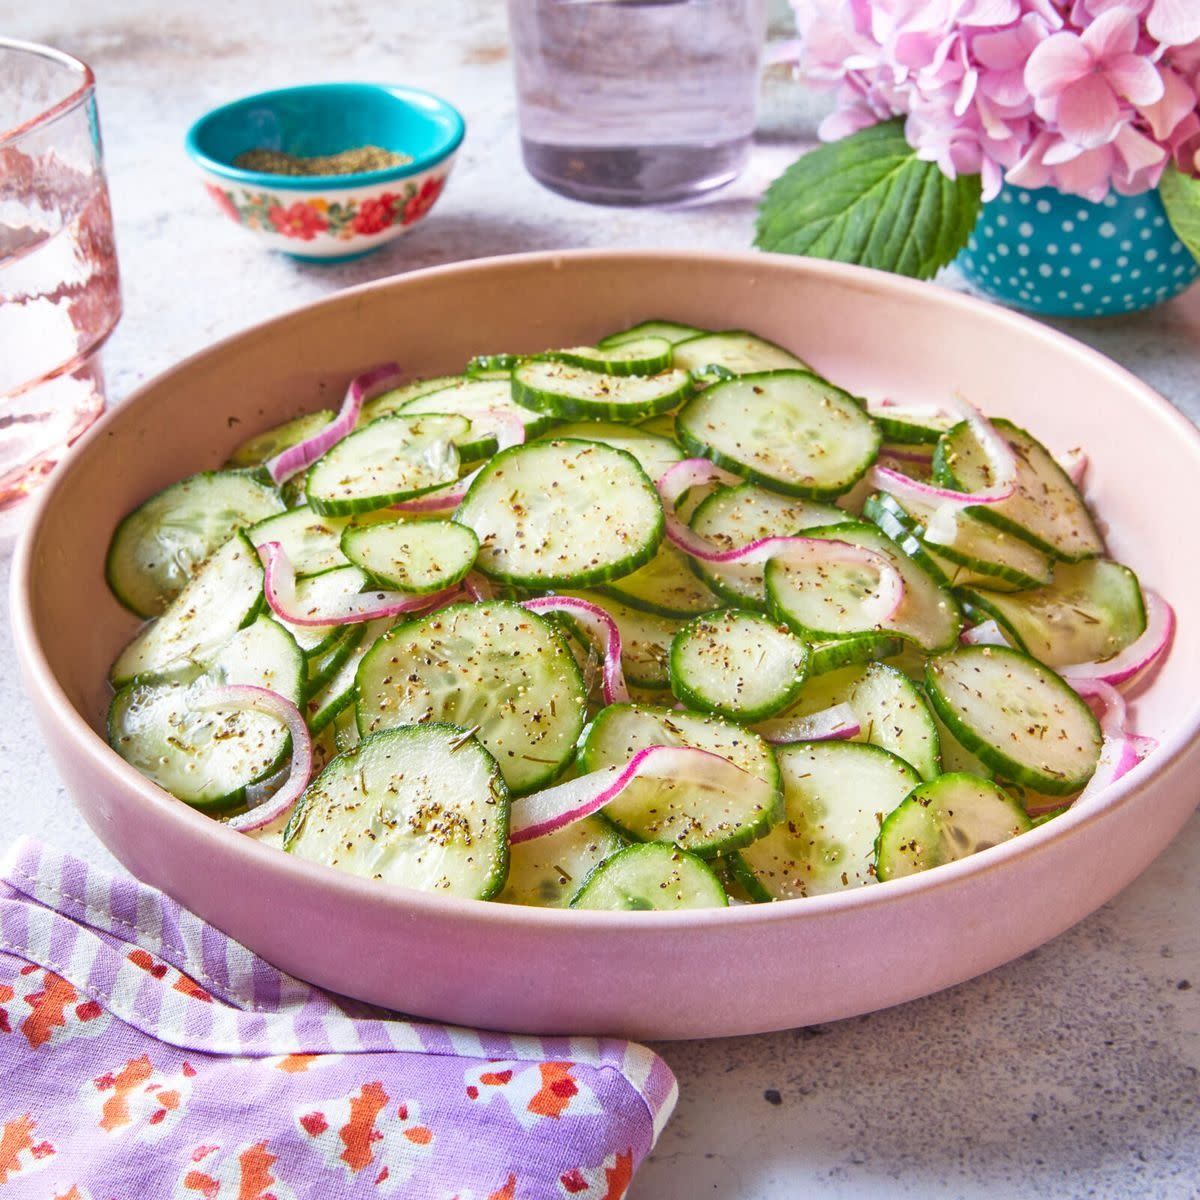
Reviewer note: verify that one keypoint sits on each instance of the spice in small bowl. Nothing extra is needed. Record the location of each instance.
(347, 162)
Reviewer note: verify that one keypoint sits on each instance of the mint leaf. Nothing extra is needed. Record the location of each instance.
(868, 199)
(1181, 198)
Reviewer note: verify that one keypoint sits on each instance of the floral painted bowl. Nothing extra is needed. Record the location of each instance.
(328, 218)
(1062, 256)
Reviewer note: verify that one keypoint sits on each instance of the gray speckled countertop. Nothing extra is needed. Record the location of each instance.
(1071, 1073)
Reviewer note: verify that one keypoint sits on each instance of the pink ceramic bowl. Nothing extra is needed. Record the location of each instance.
(680, 975)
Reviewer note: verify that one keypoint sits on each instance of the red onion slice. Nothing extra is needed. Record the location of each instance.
(557, 807)
(509, 431)
(362, 387)
(601, 628)
(1135, 658)
(795, 551)
(836, 723)
(987, 633)
(478, 588)
(261, 700)
(279, 586)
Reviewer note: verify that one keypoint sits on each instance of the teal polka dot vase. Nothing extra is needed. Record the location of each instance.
(1066, 257)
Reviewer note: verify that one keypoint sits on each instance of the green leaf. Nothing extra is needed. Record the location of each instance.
(869, 199)
(1181, 198)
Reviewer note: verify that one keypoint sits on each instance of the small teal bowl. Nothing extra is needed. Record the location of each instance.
(328, 218)
(1066, 257)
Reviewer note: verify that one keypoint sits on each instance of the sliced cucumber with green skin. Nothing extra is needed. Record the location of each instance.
(835, 794)
(703, 821)
(412, 556)
(255, 451)
(562, 513)
(392, 459)
(311, 540)
(477, 400)
(825, 602)
(548, 871)
(397, 398)
(494, 668)
(665, 586)
(911, 426)
(737, 664)
(672, 331)
(321, 668)
(943, 820)
(562, 390)
(208, 757)
(638, 356)
(854, 650)
(1017, 715)
(421, 806)
(223, 596)
(345, 731)
(318, 593)
(978, 551)
(1092, 610)
(1046, 509)
(733, 517)
(645, 639)
(339, 689)
(737, 351)
(651, 877)
(789, 431)
(491, 366)
(893, 714)
(654, 453)
(161, 545)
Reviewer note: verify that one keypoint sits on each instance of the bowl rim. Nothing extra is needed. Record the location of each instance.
(417, 99)
(354, 890)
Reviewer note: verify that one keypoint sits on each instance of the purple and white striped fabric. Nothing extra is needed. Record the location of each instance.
(142, 1052)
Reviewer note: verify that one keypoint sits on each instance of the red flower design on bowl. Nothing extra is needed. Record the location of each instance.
(422, 201)
(299, 220)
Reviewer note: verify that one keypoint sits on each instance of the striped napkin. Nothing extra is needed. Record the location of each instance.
(145, 1055)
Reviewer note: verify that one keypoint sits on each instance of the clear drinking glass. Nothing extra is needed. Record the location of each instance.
(59, 292)
(636, 101)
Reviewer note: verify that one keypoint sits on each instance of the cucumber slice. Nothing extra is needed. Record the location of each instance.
(491, 366)
(819, 692)
(161, 545)
(733, 517)
(339, 688)
(737, 664)
(222, 597)
(1091, 611)
(699, 820)
(666, 586)
(978, 553)
(638, 356)
(651, 877)
(321, 668)
(911, 426)
(311, 541)
(495, 669)
(654, 453)
(548, 871)
(855, 649)
(479, 398)
(563, 390)
(565, 513)
(1017, 715)
(645, 639)
(822, 603)
(672, 331)
(943, 820)
(1046, 510)
(412, 556)
(208, 758)
(739, 352)
(421, 806)
(787, 430)
(893, 715)
(316, 593)
(835, 794)
(391, 459)
(345, 730)
(255, 451)
(397, 398)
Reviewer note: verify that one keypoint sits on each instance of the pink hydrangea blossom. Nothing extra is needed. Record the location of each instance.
(1080, 95)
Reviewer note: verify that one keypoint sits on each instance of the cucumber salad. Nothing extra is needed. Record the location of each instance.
(670, 621)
